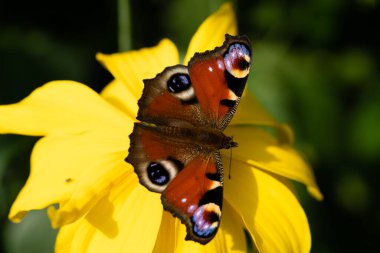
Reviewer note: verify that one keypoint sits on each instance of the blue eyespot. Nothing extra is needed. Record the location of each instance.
(206, 220)
(178, 83)
(238, 60)
(158, 174)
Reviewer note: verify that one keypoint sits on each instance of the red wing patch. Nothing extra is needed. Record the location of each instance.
(195, 196)
(219, 77)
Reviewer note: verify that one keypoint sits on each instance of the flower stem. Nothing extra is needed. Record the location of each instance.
(125, 25)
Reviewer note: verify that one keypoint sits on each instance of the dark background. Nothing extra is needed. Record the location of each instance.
(315, 67)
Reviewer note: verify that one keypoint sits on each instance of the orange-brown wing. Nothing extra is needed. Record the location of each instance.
(196, 196)
(219, 77)
(156, 157)
(205, 94)
(189, 177)
(169, 99)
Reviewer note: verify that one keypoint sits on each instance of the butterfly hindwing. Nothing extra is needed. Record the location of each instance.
(169, 99)
(156, 158)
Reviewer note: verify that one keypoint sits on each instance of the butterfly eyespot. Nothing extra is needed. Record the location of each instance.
(206, 220)
(238, 60)
(178, 83)
(158, 174)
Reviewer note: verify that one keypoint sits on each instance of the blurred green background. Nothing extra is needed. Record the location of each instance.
(315, 67)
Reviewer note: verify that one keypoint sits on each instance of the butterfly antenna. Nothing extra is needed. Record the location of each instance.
(229, 170)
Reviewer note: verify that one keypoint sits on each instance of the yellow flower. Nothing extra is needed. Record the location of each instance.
(78, 170)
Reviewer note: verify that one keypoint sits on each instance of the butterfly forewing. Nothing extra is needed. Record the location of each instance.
(219, 77)
(196, 196)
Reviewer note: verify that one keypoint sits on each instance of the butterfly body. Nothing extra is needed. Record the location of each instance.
(175, 146)
(206, 138)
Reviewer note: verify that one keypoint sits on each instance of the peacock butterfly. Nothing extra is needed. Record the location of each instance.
(174, 149)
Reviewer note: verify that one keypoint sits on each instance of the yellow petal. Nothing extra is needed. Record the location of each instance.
(230, 237)
(232, 228)
(271, 212)
(259, 149)
(117, 94)
(167, 235)
(73, 171)
(132, 67)
(211, 32)
(125, 220)
(84, 151)
(251, 112)
(60, 107)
